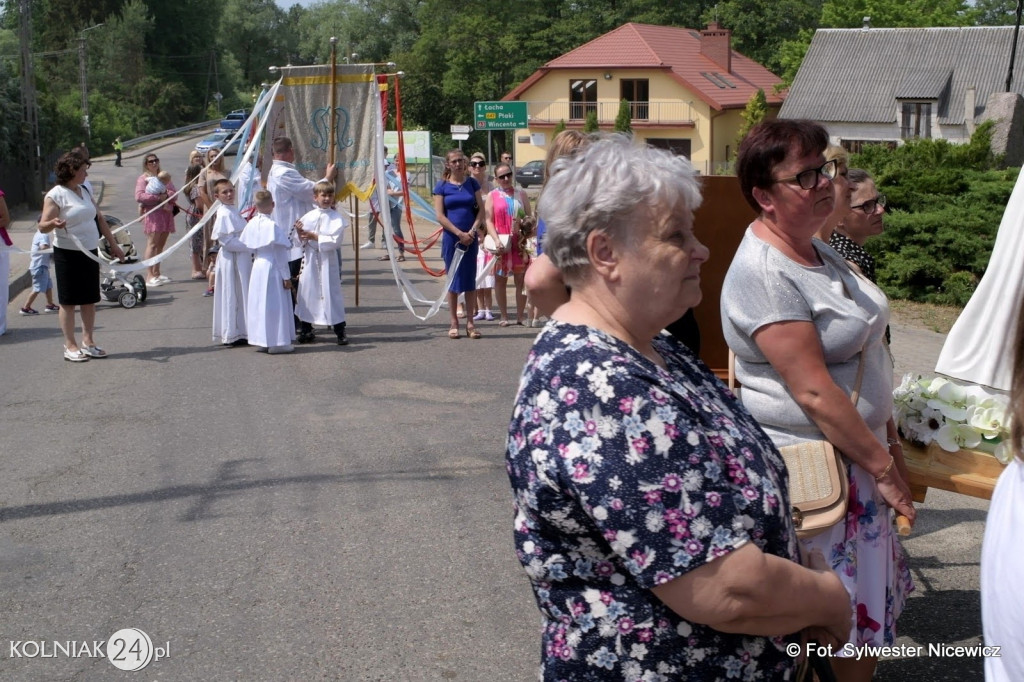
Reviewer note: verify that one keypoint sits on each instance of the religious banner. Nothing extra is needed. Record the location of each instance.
(302, 111)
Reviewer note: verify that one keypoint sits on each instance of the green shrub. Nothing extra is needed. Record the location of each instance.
(945, 203)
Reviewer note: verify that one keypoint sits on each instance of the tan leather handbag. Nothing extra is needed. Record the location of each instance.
(819, 489)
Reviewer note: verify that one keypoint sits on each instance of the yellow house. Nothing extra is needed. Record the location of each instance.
(686, 90)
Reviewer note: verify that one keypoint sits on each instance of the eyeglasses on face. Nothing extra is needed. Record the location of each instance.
(504, 176)
(477, 164)
(152, 160)
(808, 179)
(870, 205)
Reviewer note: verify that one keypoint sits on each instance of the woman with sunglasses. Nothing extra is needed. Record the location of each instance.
(506, 208)
(803, 325)
(485, 286)
(157, 224)
(865, 219)
(457, 202)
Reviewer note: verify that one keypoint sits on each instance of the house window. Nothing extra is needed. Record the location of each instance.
(676, 146)
(636, 92)
(916, 120)
(582, 98)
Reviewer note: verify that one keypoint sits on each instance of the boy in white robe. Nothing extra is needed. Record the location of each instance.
(234, 264)
(268, 316)
(321, 233)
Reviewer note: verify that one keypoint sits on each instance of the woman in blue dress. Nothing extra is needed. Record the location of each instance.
(458, 204)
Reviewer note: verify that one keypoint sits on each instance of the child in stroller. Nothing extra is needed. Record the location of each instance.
(126, 288)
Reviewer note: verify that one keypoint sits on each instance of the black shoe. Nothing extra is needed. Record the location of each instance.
(305, 338)
(342, 340)
(240, 342)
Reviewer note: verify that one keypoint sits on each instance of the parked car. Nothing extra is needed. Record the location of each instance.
(217, 139)
(530, 174)
(234, 120)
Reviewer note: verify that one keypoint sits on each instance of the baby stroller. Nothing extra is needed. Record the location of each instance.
(120, 287)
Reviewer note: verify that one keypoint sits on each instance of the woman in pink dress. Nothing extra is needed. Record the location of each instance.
(505, 209)
(158, 224)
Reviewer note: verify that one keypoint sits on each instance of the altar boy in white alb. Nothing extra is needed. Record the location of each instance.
(234, 264)
(320, 301)
(268, 316)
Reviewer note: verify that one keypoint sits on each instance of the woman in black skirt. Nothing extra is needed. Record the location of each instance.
(70, 212)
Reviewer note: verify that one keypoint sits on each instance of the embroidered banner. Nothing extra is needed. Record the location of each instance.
(301, 111)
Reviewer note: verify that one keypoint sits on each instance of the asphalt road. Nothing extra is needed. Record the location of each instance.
(337, 513)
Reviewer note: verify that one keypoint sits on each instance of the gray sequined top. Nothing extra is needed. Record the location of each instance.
(763, 286)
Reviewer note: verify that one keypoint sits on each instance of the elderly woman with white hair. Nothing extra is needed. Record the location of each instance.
(651, 510)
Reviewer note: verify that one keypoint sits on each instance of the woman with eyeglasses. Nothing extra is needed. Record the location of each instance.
(457, 206)
(157, 224)
(485, 286)
(506, 209)
(801, 322)
(865, 219)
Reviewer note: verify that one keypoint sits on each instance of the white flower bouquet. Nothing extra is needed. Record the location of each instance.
(954, 416)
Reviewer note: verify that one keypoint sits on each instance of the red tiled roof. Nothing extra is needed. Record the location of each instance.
(677, 50)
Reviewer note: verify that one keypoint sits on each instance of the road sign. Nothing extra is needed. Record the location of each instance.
(460, 129)
(500, 115)
(460, 136)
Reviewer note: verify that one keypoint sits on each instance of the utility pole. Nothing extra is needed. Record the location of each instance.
(30, 113)
(81, 80)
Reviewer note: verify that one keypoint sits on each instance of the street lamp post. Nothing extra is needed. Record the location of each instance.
(81, 79)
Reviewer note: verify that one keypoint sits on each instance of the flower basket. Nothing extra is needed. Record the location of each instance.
(954, 437)
(968, 472)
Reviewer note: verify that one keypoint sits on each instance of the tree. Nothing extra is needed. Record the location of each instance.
(623, 118)
(896, 13)
(590, 122)
(251, 31)
(558, 128)
(753, 113)
(760, 27)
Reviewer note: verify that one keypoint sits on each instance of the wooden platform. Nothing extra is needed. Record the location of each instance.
(968, 472)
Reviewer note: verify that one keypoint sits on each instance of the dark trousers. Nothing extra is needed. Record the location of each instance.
(293, 269)
(307, 328)
(117, 162)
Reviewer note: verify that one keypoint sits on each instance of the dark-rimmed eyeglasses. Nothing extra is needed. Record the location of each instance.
(808, 179)
(477, 164)
(504, 176)
(870, 205)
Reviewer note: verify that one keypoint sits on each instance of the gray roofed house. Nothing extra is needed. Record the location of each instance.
(892, 84)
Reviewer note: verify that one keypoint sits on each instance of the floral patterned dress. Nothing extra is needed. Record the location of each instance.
(625, 477)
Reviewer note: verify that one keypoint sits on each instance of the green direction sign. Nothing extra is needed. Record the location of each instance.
(499, 115)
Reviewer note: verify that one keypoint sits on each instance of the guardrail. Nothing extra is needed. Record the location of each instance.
(170, 133)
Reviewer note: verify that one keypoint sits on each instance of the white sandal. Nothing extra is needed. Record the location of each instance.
(75, 355)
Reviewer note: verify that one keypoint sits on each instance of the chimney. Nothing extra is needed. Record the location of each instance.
(716, 45)
(970, 100)
(867, 24)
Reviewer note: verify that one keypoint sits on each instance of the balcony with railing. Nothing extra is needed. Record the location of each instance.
(641, 113)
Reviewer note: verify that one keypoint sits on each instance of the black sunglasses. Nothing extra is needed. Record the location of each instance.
(152, 160)
(505, 176)
(477, 164)
(870, 205)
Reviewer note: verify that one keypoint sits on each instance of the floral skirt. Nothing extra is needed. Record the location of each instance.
(866, 554)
